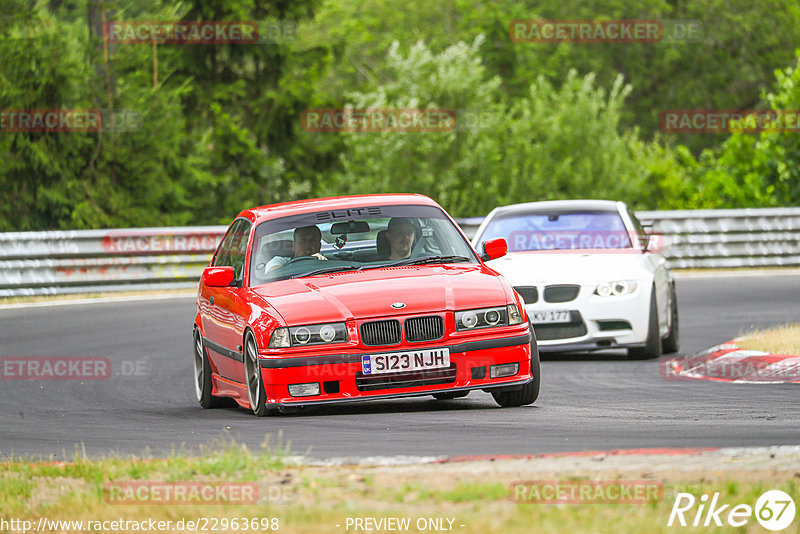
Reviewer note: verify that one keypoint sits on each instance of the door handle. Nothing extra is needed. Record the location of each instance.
(211, 300)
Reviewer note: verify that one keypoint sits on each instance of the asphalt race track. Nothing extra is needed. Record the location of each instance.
(586, 403)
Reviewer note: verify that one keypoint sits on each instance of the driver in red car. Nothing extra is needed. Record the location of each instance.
(401, 234)
(307, 243)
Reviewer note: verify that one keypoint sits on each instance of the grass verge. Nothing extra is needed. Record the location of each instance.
(471, 497)
(780, 340)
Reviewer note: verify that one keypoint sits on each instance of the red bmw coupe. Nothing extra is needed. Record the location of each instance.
(357, 298)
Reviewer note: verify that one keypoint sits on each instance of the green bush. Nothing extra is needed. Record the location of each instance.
(753, 170)
(558, 142)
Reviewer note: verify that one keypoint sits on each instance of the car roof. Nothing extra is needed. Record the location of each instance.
(558, 205)
(284, 209)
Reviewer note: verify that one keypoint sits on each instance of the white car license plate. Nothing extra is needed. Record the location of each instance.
(550, 316)
(401, 362)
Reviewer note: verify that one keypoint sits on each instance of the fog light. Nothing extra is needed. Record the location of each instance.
(304, 390)
(506, 369)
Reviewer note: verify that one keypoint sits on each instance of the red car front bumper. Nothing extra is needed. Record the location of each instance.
(341, 378)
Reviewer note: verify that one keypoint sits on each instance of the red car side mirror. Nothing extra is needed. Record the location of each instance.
(218, 276)
(494, 248)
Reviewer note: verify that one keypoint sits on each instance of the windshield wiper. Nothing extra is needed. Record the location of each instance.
(427, 259)
(325, 270)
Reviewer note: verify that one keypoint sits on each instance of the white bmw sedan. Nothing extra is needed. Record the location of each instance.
(590, 276)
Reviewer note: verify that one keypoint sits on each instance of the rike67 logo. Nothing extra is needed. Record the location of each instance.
(774, 510)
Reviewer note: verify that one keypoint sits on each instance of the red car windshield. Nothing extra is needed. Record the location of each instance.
(354, 239)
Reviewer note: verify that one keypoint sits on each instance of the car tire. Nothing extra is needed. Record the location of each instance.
(528, 393)
(256, 394)
(671, 343)
(652, 347)
(450, 396)
(202, 376)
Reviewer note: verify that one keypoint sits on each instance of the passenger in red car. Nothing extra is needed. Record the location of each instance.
(307, 242)
(401, 235)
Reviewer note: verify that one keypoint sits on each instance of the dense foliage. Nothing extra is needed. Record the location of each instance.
(220, 127)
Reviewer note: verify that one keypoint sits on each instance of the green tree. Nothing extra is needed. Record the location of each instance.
(739, 45)
(216, 127)
(247, 101)
(559, 142)
(132, 174)
(752, 170)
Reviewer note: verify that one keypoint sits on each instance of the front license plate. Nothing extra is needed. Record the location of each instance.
(550, 316)
(402, 362)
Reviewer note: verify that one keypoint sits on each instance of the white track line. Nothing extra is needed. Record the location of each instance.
(99, 300)
(749, 273)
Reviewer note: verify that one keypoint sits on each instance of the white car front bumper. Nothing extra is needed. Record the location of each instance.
(592, 322)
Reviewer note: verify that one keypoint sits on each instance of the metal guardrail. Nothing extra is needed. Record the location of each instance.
(701, 239)
(764, 237)
(80, 261)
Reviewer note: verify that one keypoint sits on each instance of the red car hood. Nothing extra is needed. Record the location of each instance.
(371, 293)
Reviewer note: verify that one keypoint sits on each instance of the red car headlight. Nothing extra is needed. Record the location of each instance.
(488, 317)
(514, 317)
(313, 334)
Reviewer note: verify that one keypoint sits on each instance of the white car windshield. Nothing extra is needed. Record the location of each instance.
(574, 230)
(355, 239)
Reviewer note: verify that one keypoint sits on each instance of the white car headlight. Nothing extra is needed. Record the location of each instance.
(616, 288)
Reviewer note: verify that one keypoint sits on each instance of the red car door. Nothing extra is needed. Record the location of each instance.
(223, 309)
